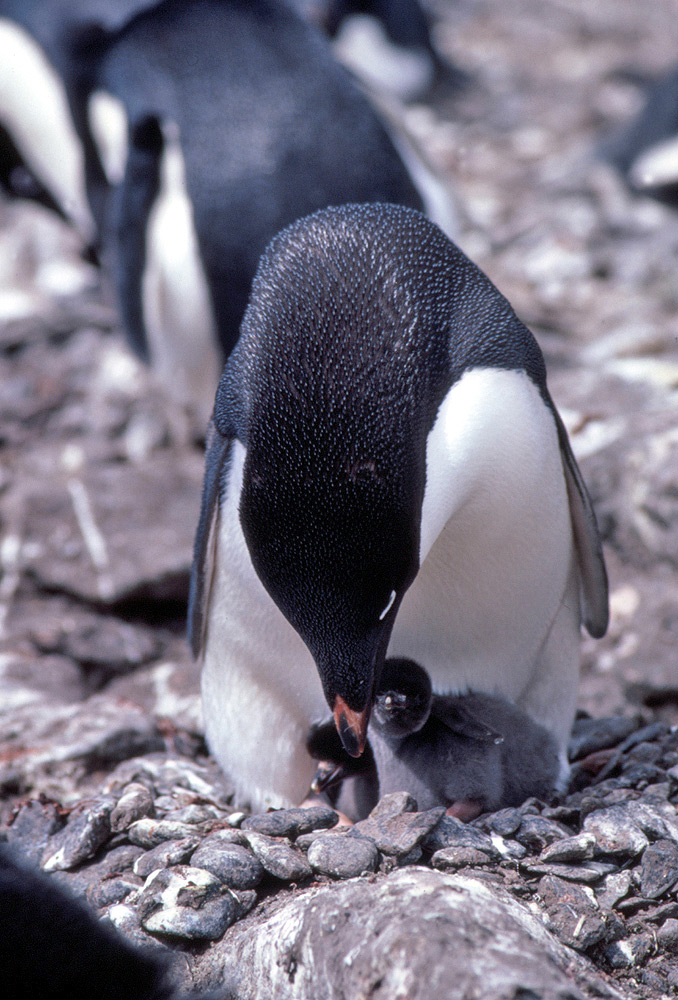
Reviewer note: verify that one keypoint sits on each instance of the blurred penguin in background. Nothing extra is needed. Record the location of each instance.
(386, 43)
(646, 150)
(201, 129)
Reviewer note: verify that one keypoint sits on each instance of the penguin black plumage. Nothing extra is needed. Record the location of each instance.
(471, 752)
(51, 946)
(386, 472)
(205, 128)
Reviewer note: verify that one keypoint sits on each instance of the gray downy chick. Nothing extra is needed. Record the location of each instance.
(471, 752)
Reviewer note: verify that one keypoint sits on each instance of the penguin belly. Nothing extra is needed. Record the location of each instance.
(260, 686)
(494, 606)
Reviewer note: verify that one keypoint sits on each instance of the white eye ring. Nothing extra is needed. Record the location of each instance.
(388, 606)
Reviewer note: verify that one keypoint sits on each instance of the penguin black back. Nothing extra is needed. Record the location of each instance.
(264, 115)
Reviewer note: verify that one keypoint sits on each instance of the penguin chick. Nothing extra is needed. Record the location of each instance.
(386, 474)
(348, 783)
(469, 752)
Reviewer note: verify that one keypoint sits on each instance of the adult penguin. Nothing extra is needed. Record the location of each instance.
(386, 474)
(206, 127)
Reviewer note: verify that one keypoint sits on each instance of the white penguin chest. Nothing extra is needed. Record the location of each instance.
(495, 538)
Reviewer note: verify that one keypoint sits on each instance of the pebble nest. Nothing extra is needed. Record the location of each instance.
(161, 854)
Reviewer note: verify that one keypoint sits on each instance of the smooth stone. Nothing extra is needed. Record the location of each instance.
(536, 832)
(136, 802)
(394, 804)
(235, 865)
(397, 833)
(615, 888)
(667, 936)
(615, 832)
(581, 847)
(279, 858)
(590, 735)
(451, 832)
(630, 952)
(151, 832)
(587, 874)
(505, 822)
(291, 822)
(164, 855)
(187, 902)
(343, 857)
(87, 829)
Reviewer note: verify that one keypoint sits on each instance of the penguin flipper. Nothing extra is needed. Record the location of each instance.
(588, 546)
(204, 553)
(461, 721)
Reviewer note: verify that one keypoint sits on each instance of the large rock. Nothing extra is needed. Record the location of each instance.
(415, 933)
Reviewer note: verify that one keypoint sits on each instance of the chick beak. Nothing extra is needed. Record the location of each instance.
(351, 726)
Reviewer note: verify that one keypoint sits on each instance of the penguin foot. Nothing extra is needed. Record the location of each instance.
(465, 809)
(594, 762)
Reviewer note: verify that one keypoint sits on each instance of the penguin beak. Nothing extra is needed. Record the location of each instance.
(351, 726)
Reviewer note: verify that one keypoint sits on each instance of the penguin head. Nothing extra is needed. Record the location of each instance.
(336, 549)
(403, 699)
(326, 382)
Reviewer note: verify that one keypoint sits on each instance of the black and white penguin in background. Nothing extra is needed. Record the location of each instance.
(386, 43)
(386, 475)
(646, 150)
(204, 128)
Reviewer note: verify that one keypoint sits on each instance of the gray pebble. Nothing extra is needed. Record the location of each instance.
(88, 827)
(630, 952)
(112, 890)
(237, 867)
(451, 858)
(451, 832)
(187, 902)
(292, 822)
(32, 827)
(505, 822)
(279, 858)
(151, 832)
(342, 856)
(192, 814)
(536, 832)
(586, 874)
(135, 803)
(394, 804)
(573, 914)
(581, 847)
(615, 832)
(170, 852)
(667, 936)
(398, 833)
(659, 868)
(615, 888)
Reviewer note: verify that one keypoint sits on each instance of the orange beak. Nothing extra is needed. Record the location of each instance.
(351, 726)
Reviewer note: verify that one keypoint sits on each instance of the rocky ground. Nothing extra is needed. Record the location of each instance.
(103, 775)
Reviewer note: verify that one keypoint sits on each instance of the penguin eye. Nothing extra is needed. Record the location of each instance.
(388, 606)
